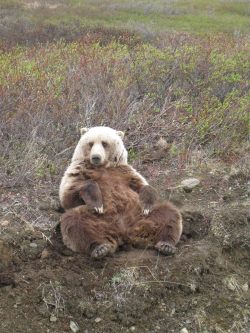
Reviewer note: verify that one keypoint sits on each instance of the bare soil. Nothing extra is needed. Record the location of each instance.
(203, 288)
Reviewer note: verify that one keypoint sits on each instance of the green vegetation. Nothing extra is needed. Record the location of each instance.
(197, 16)
(57, 73)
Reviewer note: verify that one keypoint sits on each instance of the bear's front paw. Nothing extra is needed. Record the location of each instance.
(99, 210)
(92, 196)
(165, 248)
(101, 251)
(148, 196)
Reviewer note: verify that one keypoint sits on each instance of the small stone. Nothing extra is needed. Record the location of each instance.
(245, 287)
(33, 245)
(44, 254)
(132, 328)
(172, 312)
(193, 287)
(231, 283)
(184, 330)
(4, 223)
(53, 318)
(231, 286)
(98, 319)
(189, 184)
(73, 326)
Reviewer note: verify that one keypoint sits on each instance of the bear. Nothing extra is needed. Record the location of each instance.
(108, 204)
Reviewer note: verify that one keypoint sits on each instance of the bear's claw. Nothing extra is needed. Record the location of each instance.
(99, 210)
(165, 248)
(148, 197)
(101, 251)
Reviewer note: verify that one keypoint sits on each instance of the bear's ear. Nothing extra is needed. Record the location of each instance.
(83, 130)
(120, 133)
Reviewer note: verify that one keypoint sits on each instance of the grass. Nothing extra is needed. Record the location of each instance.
(158, 16)
(194, 94)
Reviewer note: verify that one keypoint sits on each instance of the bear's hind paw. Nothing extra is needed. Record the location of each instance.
(101, 251)
(165, 248)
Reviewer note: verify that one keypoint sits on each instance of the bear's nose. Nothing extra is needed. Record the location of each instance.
(96, 159)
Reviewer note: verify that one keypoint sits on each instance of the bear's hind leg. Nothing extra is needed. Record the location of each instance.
(161, 229)
(86, 233)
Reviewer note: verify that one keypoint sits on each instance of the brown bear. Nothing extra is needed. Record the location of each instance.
(109, 204)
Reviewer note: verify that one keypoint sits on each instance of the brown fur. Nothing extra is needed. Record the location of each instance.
(148, 197)
(91, 194)
(123, 196)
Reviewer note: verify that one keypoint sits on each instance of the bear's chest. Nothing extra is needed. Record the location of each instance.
(118, 197)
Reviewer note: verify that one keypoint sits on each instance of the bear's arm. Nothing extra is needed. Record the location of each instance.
(76, 189)
(92, 196)
(147, 194)
(135, 179)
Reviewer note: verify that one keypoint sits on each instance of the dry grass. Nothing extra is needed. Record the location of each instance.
(52, 297)
(191, 91)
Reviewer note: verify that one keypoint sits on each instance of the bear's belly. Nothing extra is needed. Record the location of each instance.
(121, 201)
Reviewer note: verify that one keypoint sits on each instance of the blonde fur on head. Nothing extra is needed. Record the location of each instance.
(84, 130)
(101, 141)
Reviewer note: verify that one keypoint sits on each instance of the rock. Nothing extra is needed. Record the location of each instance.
(231, 283)
(98, 319)
(245, 287)
(189, 184)
(4, 223)
(73, 326)
(53, 318)
(33, 245)
(184, 330)
(193, 287)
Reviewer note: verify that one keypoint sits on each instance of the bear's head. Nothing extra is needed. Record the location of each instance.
(101, 146)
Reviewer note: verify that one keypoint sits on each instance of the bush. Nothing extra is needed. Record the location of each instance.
(194, 93)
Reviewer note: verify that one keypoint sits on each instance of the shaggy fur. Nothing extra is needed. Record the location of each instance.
(108, 203)
(104, 142)
(123, 196)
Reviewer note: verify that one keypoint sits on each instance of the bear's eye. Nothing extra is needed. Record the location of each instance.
(104, 144)
(91, 144)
